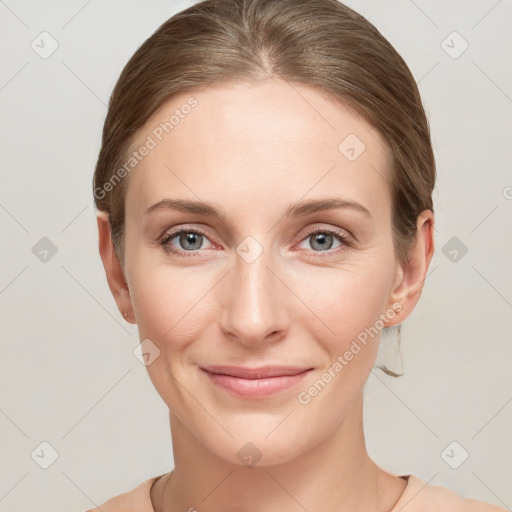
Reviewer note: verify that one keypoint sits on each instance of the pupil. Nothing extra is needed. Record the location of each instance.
(321, 240)
(191, 238)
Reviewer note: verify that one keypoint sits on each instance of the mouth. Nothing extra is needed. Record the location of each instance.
(255, 382)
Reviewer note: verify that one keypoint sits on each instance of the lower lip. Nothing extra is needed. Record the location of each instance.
(255, 388)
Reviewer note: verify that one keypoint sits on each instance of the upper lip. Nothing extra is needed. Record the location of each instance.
(255, 373)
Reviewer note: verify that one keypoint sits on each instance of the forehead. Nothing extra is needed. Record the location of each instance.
(274, 140)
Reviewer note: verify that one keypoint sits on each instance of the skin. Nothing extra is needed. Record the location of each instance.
(253, 150)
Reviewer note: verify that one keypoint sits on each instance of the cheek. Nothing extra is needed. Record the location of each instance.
(173, 303)
(345, 300)
(170, 303)
(349, 305)
(172, 307)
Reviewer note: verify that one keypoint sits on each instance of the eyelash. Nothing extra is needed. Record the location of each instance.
(346, 241)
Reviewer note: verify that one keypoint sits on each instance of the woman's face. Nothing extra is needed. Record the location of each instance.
(271, 282)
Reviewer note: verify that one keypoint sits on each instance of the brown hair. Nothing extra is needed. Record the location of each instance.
(321, 43)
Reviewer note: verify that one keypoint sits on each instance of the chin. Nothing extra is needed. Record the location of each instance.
(257, 445)
(256, 452)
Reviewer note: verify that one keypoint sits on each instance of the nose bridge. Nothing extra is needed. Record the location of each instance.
(255, 306)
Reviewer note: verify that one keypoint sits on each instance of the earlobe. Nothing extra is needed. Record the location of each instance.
(113, 269)
(411, 276)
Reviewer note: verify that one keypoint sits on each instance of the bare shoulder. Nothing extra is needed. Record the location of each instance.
(420, 496)
(136, 500)
(470, 505)
(457, 503)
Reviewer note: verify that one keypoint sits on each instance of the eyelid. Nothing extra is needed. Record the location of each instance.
(309, 230)
(169, 234)
(347, 239)
(342, 233)
(177, 230)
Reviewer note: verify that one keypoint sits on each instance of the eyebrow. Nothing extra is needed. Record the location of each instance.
(301, 208)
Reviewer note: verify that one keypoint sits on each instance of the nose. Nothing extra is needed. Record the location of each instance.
(255, 302)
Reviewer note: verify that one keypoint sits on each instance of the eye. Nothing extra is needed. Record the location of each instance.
(190, 241)
(322, 240)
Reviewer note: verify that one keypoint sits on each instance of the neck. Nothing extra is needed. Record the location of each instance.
(336, 474)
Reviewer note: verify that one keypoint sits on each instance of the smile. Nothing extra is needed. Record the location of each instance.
(255, 383)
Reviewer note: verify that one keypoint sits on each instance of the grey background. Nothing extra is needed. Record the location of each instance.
(68, 373)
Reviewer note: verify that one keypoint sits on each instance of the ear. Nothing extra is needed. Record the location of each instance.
(410, 278)
(115, 274)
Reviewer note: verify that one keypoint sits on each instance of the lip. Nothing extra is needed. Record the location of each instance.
(255, 382)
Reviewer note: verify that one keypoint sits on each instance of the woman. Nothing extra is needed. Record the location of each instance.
(264, 190)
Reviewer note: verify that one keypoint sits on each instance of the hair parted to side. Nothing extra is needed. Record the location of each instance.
(320, 43)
